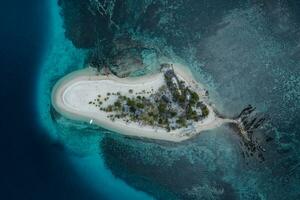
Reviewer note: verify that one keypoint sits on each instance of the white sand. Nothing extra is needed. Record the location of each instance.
(72, 94)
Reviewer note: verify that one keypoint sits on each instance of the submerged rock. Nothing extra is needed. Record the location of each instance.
(165, 173)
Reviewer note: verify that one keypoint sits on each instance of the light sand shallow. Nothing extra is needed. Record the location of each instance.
(72, 94)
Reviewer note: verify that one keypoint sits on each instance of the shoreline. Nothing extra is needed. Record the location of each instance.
(70, 93)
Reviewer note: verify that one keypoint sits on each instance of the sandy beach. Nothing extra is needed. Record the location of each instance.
(71, 96)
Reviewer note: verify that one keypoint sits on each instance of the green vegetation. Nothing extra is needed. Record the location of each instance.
(194, 98)
(173, 106)
(191, 114)
(118, 104)
(161, 107)
(140, 105)
(205, 111)
(181, 121)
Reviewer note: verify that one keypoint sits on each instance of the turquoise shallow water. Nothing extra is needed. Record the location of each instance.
(61, 58)
(248, 56)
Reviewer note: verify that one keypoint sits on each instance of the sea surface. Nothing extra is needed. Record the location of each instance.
(243, 52)
(32, 167)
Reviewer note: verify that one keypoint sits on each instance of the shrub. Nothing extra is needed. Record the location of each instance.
(132, 109)
(205, 111)
(160, 121)
(194, 97)
(118, 104)
(161, 107)
(140, 105)
(181, 121)
(181, 99)
(173, 113)
(190, 113)
(109, 108)
(131, 102)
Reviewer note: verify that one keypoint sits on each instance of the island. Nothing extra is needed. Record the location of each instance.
(170, 105)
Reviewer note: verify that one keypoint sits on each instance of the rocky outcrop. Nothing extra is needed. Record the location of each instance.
(248, 123)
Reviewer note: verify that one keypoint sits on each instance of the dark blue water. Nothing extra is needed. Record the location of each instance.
(30, 167)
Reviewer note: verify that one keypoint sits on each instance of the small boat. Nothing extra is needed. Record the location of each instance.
(91, 121)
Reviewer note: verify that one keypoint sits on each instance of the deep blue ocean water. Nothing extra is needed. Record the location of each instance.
(30, 168)
(243, 52)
